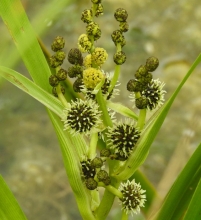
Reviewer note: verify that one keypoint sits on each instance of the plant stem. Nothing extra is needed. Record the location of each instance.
(102, 104)
(124, 216)
(115, 78)
(141, 119)
(61, 96)
(92, 145)
(111, 189)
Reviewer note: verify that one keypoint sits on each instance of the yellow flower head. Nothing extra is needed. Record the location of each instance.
(91, 77)
(87, 61)
(84, 43)
(99, 56)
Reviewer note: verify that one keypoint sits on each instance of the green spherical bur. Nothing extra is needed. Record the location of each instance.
(152, 63)
(92, 28)
(102, 175)
(107, 181)
(75, 56)
(105, 153)
(75, 71)
(61, 74)
(135, 86)
(53, 81)
(77, 85)
(124, 27)
(141, 72)
(91, 184)
(141, 102)
(58, 44)
(121, 15)
(86, 16)
(97, 162)
(119, 57)
(60, 55)
(54, 63)
(99, 10)
(118, 38)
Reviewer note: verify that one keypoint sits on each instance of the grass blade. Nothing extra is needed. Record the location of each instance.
(9, 207)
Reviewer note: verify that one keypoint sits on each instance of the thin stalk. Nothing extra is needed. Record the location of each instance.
(111, 189)
(92, 145)
(61, 96)
(141, 119)
(115, 78)
(103, 106)
(124, 216)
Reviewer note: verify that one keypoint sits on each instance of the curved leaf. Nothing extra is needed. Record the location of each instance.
(9, 208)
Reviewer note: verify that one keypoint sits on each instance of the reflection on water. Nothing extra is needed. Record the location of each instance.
(30, 158)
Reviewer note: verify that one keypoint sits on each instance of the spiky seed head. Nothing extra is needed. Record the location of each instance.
(82, 116)
(133, 197)
(122, 138)
(154, 94)
(88, 171)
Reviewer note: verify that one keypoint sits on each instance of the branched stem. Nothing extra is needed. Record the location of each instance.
(61, 96)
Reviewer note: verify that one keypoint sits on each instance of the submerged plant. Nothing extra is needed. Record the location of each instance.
(98, 149)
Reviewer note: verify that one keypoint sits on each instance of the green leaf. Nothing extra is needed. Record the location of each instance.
(9, 207)
(73, 169)
(194, 209)
(185, 199)
(148, 135)
(15, 18)
(179, 187)
(47, 13)
(123, 110)
(32, 89)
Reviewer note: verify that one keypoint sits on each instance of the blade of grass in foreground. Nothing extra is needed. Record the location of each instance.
(179, 187)
(15, 18)
(72, 166)
(9, 207)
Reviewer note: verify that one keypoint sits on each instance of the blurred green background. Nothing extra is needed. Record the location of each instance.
(30, 158)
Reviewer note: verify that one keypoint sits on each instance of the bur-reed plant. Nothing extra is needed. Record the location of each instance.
(99, 151)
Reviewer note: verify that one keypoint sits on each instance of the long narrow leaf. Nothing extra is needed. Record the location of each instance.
(172, 199)
(15, 18)
(9, 207)
(73, 170)
(32, 89)
(194, 209)
(150, 132)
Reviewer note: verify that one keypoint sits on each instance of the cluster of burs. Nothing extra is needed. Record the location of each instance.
(87, 69)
